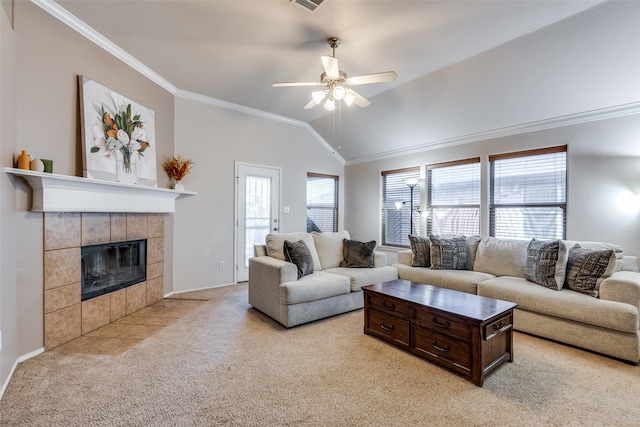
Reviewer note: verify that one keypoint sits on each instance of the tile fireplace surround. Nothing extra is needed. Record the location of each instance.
(66, 317)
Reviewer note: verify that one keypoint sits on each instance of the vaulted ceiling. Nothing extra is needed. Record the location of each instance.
(233, 50)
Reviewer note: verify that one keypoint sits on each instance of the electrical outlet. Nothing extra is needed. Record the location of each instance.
(221, 265)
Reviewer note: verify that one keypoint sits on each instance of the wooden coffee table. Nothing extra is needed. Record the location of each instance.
(467, 333)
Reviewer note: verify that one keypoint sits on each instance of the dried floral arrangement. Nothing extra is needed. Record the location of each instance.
(177, 167)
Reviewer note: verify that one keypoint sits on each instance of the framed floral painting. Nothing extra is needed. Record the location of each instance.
(118, 136)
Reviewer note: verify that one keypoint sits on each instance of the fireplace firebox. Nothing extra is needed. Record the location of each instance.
(112, 266)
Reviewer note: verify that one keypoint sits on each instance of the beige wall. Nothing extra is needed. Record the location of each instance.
(216, 138)
(8, 286)
(48, 56)
(603, 170)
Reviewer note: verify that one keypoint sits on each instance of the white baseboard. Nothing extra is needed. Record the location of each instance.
(15, 365)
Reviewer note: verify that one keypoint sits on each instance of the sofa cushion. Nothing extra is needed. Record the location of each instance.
(420, 247)
(501, 257)
(565, 303)
(360, 277)
(458, 280)
(313, 287)
(546, 263)
(298, 253)
(275, 245)
(448, 252)
(586, 268)
(329, 248)
(357, 254)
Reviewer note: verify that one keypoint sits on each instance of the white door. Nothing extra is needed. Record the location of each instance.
(258, 201)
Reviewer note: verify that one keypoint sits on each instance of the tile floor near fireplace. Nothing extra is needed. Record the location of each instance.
(66, 317)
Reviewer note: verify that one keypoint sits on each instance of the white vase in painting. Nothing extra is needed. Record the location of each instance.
(126, 167)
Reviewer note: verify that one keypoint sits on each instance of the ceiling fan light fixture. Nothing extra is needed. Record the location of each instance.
(338, 92)
(330, 104)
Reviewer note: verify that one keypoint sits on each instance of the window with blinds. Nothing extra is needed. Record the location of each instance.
(322, 203)
(528, 194)
(453, 197)
(397, 215)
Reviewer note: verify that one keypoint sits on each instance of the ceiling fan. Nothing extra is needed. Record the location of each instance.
(337, 84)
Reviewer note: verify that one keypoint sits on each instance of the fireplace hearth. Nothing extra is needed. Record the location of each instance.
(112, 266)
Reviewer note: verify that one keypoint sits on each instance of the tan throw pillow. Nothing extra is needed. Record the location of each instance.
(299, 254)
(358, 254)
(420, 246)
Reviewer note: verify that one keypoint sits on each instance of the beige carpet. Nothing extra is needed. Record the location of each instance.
(224, 363)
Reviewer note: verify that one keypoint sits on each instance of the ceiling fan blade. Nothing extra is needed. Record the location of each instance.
(292, 84)
(331, 66)
(310, 105)
(359, 100)
(387, 76)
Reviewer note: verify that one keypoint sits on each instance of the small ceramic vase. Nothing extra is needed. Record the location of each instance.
(24, 162)
(37, 165)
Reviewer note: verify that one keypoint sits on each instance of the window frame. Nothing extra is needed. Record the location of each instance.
(333, 208)
(429, 190)
(493, 206)
(387, 206)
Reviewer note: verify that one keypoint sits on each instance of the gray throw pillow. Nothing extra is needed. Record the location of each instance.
(448, 253)
(585, 268)
(299, 254)
(357, 254)
(546, 263)
(421, 251)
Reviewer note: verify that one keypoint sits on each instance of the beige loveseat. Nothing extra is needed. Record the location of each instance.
(606, 324)
(275, 290)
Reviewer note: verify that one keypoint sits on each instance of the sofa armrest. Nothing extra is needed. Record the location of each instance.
(405, 257)
(622, 286)
(379, 259)
(265, 276)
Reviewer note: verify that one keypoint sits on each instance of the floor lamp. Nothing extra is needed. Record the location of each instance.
(411, 183)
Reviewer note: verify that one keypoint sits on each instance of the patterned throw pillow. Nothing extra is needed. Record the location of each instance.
(357, 254)
(448, 253)
(421, 251)
(585, 268)
(299, 254)
(546, 263)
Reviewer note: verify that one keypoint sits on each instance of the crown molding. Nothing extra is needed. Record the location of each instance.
(570, 119)
(57, 11)
(260, 113)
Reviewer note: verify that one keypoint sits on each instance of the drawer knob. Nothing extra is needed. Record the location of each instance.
(435, 345)
(388, 306)
(498, 325)
(385, 327)
(444, 324)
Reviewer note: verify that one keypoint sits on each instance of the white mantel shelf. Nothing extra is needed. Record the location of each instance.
(63, 193)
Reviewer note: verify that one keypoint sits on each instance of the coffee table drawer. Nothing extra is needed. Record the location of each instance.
(390, 305)
(444, 347)
(446, 324)
(388, 327)
(497, 327)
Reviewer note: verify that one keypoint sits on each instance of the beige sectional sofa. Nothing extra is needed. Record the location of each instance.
(275, 290)
(606, 324)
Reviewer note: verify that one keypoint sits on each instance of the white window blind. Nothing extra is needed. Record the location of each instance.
(453, 197)
(322, 203)
(396, 215)
(528, 194)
